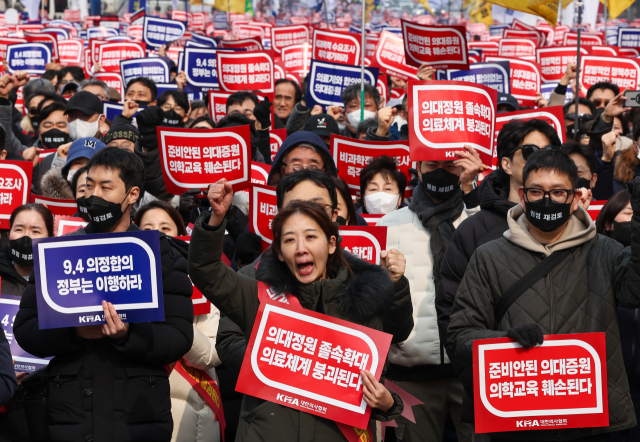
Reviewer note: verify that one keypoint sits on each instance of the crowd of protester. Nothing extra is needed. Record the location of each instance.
(463, 237)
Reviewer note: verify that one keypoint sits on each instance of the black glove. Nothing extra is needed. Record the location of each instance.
(414, 177)
(527, 335)
(634, 190)
(262, 112)
(147, 120)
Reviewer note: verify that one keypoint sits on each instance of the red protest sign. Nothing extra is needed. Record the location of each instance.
(594, 209)
(87, 62)
(445, 115)
(218, 105)
(6, 41)
(371, 219)
(110, 54)
(70, 52)
(112, 79)
(279, 71)
(516, 47)
(519, 24)
(604, 51)
(259, 173)
(534, 36)
(389, 57)
(326, 378)
(241, 71)
(553, 61)
(250, 44)
(63, 225)
(487, 47)
(276, 137)
(56, 206)
(364, 242)
(195, 158)
(525, 79)
(586, 39)
(199, 21)
(629, 52)
(297, 58)
(554, 116)
(249, 31)
(43, 38)
(621, 71)
(72, 15)
(95, 44)
(382, 88)
(559, 384)
(263, 207)
(443, 47)
(135, 32)
(283, 36)
(15, 185)
(352, 155)
(336, 47)
(370, 45)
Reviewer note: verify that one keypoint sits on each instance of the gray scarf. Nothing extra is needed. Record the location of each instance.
(438, 220)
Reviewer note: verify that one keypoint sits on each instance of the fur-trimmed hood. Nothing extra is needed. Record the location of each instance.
(360, 298)
(53, 185)
(625, 164)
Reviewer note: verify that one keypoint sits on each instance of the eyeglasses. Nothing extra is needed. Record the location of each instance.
(167, 107)
(601, 102)
(558, 196)
(528, 149)
(583, 117)
(297, 167)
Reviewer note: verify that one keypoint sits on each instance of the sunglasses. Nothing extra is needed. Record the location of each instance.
(601, 101)
(583, 117)
(528, 149)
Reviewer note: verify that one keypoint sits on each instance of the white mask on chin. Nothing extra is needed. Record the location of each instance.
(381, 203)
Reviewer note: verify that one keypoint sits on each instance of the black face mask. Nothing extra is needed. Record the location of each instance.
(35, 123)
(103, 213)
(621, 232)
(583, 182)
(171, 118)
(142, 103)
(54, 138)
(440, 184)
(547, 215)
(341, 221)
(22, 251)
(82, 209)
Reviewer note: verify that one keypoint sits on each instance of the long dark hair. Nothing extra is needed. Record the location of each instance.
(171, 211)
(343, 188)
(611, 209)
(46, 214)
(316, 212)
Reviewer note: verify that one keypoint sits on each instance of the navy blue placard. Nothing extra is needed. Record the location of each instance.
(100, 32)
(154, 68)
(195, 44)
(29, 57)
(9, 306)
(220, 21)
(112, 110)
(547, 88)
(74, 274)
(194, 92)
(166, 87)
(204, 40)
(200, 68)
(493, 74)
(627, 38)
(497, 30)
(160, 31)
(328, 80)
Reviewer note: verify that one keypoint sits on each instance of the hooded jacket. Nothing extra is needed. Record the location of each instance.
(362, 298)
(106, 389)
(12, 283)
(580, 295)
(54, 185)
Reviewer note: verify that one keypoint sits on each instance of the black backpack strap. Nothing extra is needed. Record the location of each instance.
(543, 268)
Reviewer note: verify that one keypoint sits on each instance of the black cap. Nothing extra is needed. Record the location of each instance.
(85, 102)
(322, 125)
(509, 100)
(122, 131)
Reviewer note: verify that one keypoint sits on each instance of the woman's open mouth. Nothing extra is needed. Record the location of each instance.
(305, 268)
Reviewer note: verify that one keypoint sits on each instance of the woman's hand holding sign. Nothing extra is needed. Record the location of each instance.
(114, 328)
(376, 395)
(220, 195)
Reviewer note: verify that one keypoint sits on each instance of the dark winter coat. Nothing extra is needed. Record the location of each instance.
(12, 283)
(109, 390)
(580, 295)
(363, 298)
(54, 185)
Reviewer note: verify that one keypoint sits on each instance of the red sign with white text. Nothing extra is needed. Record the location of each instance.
(553, 61)
(571, 39)
(534, 36)
(259, 173)
(250, 44)
(6, 41)
(241, 71)
(249, 31)
(559, 384)
(312, 362)
(64, 225)
(487, 47)
(263, 207)
(371, 219)
(621, 71)
(72, 15)
(382, 88)
(297, 58)
(112, 79)
(389, 57)
(70, 52)
(15, 185)
(364, 242)
(56, 206)
(516, 47)
(276, 138)
(594, 209)
(525, 79)
(442, 47)
(370, 44)
(283, 36)
(604, 51)
(218, 105)
(352, 155)
(445, 115)
(195, 158)
(95, 44)
(336, 47)
(135, 32)
(110, 54)
(43, 38)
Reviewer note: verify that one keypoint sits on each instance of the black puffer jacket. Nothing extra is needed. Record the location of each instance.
(488, 224)
(12, 283)
(109, 390)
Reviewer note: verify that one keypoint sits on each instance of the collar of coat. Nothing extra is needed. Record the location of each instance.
(580, 229)
(367, 293)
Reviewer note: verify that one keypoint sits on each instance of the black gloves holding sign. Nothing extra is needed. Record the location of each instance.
(527, 335)
(262, 112)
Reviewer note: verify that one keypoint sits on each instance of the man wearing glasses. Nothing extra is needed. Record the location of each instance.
(602, 93)
(579, 295)
(243, 103)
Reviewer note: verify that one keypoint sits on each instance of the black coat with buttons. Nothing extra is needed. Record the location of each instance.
(108, 390)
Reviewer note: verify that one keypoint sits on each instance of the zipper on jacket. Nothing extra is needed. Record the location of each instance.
(550, 299)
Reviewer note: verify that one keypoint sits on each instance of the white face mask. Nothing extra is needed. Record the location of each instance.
(401, 121)
(83, 129)
(381, 203)
(71, 174)
(342, 126)
(354, 117)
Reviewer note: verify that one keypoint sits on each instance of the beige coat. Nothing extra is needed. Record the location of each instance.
(193, 419)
